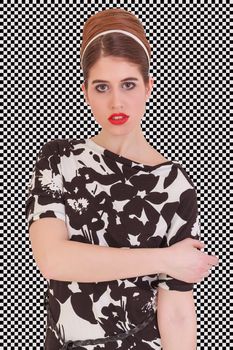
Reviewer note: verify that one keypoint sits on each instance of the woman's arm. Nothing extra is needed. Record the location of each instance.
(177, 319)
(76, 261)
(61, 259)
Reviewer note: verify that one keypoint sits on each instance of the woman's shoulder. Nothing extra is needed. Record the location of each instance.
(60, 143)
(185, 173)
(152, 157)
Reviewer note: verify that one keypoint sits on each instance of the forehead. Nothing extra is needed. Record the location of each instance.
(114, 68)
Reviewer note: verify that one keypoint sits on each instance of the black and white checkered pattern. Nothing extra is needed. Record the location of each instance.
(189, 108)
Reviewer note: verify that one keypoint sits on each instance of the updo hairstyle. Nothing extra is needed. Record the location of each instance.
(114, 44)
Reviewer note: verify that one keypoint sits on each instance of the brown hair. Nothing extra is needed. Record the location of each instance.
(114, 44)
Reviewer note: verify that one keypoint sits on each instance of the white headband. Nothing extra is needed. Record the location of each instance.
(119, 31)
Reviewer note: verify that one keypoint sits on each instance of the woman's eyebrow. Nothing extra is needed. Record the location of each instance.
(106, 81)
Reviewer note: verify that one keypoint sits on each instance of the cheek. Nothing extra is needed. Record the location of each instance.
(95, 104)
(139, 97)
(139, 103)
(99, 111)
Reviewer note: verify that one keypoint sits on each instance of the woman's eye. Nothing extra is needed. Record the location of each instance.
(100, 86)
(129, 84)
(100, 90)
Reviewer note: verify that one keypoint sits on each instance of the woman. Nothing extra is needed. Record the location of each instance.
(89, 197)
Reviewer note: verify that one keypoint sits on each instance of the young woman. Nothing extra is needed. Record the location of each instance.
(113, 224)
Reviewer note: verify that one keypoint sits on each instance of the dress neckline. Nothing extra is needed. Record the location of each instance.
(129, 162)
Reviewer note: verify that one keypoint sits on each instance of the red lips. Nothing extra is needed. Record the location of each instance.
(118, 114)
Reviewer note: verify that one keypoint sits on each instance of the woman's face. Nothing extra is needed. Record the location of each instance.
(112, 95)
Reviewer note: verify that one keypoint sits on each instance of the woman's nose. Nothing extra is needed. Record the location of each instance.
(116, 99)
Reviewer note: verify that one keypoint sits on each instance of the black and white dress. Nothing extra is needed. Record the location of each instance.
(109, 200)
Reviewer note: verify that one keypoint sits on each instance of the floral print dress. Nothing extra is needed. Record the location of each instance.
(109, 200)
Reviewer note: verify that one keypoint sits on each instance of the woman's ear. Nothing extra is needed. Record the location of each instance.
(84, 92)
(151, 83)
(149, 87)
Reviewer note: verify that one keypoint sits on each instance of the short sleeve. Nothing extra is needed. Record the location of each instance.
(44, 195)
(184, 224)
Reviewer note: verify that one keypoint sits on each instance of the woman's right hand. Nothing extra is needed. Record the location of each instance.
(186, 263)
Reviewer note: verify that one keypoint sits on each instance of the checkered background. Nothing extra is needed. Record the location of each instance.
(188, 108)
